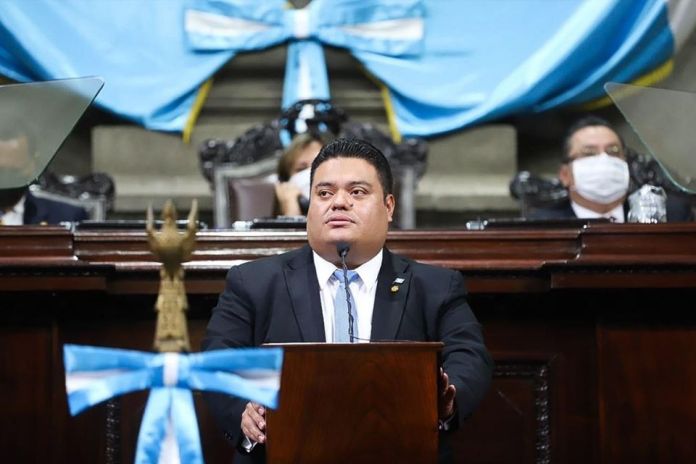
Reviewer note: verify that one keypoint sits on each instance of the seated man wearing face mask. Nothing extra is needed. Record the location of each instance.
(292, 189)
(597, 177)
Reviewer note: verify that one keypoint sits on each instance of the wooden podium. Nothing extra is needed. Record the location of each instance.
(354, 403)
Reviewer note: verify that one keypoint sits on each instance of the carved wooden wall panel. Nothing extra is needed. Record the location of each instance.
(593, 332)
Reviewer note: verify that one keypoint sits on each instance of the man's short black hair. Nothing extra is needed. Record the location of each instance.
(587, 121)
(356, 148)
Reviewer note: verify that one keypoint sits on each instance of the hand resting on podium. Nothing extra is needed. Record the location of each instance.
(254, 415)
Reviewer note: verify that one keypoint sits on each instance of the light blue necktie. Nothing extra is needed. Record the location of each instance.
(341, 321)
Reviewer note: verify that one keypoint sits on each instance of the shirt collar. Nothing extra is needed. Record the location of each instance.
(580, 211)
(367, 271)
(14, 216)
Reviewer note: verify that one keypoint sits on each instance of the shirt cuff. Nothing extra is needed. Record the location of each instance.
(445, 425)
(248, 445)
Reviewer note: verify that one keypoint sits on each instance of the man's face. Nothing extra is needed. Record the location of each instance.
(590, 141)
(348, 205)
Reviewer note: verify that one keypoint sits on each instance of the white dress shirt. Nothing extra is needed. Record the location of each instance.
(14, 216)
(363, 291)
(616, 214)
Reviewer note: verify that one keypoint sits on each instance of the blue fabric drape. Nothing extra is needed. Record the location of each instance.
(507, 57)
(478, 59)
(138, 48)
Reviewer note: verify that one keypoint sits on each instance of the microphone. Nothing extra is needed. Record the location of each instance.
(342, 248)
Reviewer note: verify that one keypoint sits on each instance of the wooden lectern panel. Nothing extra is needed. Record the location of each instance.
(353, 403)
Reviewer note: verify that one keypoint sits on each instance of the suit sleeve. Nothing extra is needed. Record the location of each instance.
(465, 357)
(230, 326)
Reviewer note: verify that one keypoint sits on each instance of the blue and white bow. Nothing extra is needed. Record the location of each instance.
(169, 429)
(387, 27)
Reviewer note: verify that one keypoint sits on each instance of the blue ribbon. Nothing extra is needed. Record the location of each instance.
(375, 26)
(96, 374)
(305, 73)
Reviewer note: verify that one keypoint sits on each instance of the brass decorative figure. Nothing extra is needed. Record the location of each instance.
(172, 249)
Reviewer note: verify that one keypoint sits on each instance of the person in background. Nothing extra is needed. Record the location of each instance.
(290, 297)
(597, 176)
(292, 189)
(18, 206)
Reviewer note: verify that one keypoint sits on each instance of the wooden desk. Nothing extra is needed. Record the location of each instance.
(593, 331)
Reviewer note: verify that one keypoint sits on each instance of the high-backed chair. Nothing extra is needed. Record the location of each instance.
(94, 192)
(242, 193)
(238, 170)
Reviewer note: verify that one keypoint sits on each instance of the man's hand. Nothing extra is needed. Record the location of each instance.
(254, 422)
(446, 399)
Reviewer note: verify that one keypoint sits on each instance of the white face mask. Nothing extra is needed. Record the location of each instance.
(600, 178)
(301, 181)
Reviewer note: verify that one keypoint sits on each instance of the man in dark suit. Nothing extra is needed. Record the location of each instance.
(19, 206)
(289, 298)
(19, 163)
(596, 174)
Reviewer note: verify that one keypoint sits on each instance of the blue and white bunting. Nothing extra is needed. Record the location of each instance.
(169, 429)
(447, 63)
(390, 28)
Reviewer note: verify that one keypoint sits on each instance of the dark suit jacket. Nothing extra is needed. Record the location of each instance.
(678, 209)
(276, 299)
(38, 210)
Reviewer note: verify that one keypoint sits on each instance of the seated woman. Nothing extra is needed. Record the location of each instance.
(292, 189)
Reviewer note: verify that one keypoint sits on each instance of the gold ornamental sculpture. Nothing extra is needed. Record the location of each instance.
(172, 248)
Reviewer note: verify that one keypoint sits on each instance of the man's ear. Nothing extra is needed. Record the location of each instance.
(390, 203)
(565, 175)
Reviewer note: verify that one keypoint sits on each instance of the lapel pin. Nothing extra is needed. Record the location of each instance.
(396, 284)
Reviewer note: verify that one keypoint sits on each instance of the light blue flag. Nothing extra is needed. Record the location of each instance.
(169, 429)
(139, 48)
(448, 63)
(489, 59)
(384, 27)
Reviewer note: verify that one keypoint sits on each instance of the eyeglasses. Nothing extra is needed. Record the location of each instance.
(611, 150)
